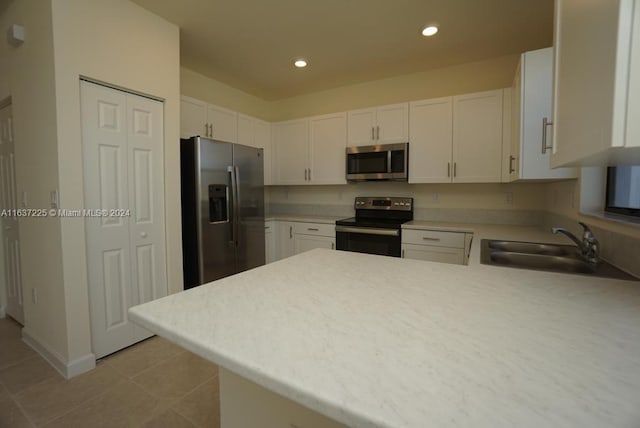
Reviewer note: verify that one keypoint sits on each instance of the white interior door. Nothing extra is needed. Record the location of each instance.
(9, 223)
(123, 173)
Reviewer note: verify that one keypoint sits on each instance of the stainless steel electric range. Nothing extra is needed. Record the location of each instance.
(377, 226)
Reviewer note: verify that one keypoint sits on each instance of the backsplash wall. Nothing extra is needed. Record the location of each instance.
(513, 203)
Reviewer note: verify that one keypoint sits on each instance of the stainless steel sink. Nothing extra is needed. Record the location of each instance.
(546, 257)
(533, 248)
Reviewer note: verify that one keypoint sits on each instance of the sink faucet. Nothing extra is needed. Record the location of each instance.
(589, 246)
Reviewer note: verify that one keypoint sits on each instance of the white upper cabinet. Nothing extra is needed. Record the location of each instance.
(328, 140)
(257, 133)
(193, 118)
(207, 120)
(310, 150)
(596, 82)
(431, 140)
(531, 104)
(380, 125)
(291, 152)
(477, 137)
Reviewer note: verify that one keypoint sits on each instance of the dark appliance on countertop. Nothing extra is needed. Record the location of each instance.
(388, 162)
(222, 209)
(377, 226)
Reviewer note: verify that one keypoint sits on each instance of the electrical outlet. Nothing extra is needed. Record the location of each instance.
(508, 198)
(34, 296)
(435, 197)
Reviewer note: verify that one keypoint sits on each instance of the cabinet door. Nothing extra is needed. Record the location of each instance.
(594, 80)
(361, 127)
(284, 240)
(433, 254)
(536, 99)
(245, 133)
(304, 243)
(431, 138)
(262, 138)
(513, 167)
(393, 124)
(270, 241)
(477, 137)
(223, 124)
(193, 118)
(328, 140)
(291, 143)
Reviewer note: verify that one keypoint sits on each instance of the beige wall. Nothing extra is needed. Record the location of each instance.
(472, 77)
(566, 198)
(122, 44)
(28, 76)
(196, 85)
(526, 196)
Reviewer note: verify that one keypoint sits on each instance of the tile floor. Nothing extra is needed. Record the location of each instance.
(151, 384)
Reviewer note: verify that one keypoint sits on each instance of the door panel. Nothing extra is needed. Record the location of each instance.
(123, 173)
(146, 200)
(108, 260)
(393, 124)
(361, 127)
(251, 247)
(9, 225)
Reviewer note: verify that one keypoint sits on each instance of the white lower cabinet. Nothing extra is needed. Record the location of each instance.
(291, 237)
(307, 236)
(269, 241)
(284, 239)
(436, 246)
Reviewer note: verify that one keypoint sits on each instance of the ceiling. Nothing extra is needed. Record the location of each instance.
(251, 44)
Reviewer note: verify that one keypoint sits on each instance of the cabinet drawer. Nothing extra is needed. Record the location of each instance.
(317, 229)
(433, 254)
(432, 237)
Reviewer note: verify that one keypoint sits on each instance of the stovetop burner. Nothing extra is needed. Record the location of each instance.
(381, 212)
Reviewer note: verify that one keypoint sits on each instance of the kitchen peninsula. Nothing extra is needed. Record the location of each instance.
(372, 341)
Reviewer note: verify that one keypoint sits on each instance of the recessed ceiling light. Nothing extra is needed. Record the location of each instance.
(430, 31)
(300, 63)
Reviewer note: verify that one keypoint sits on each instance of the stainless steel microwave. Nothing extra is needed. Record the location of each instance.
(382, 162)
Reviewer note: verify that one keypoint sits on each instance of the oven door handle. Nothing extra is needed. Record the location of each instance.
(368, 231)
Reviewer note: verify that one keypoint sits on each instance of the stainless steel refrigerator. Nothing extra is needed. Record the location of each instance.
(222, 209)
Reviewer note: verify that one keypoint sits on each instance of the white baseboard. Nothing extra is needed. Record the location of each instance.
(68, 369)
(3, 312)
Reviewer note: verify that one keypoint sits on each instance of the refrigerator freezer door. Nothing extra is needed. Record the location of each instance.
(216, 254)
(249, 170)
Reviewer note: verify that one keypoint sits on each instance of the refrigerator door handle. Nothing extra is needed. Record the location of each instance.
(236, 205)
(232, 216)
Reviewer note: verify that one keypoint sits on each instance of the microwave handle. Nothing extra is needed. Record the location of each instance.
(389, 161)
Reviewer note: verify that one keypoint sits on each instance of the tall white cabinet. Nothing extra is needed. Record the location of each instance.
(531, 104)
(596, 82)
(257, 133)
(310, 150)
(122, 139)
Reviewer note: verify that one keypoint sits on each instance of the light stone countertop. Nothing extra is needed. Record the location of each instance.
(303, 218)
(374, 341)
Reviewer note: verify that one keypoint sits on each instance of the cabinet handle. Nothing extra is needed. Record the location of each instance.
(511, 168)
(206, 129)
(545, 122)
(427, 238)
(448, 169)
(373, 133)
(455, 164)
(309, 174)
(377, 132)
(290, 232)
(403, 254)
(313, 229)
(333, 246)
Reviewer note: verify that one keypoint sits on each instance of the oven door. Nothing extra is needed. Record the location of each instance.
(384, 242)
